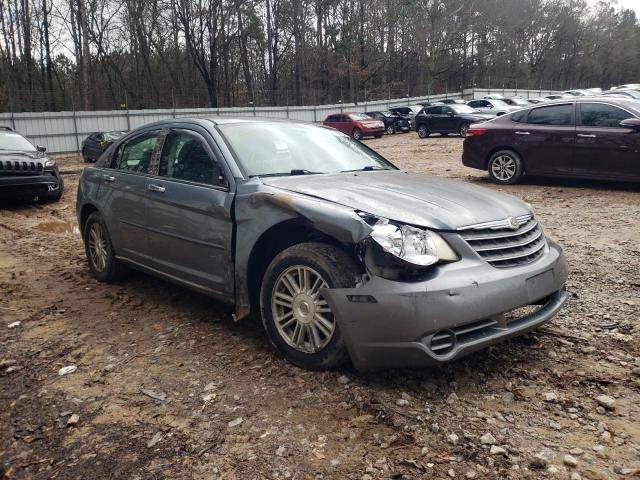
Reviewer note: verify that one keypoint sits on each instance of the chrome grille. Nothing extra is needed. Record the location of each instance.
(20, 167)
(502, 246)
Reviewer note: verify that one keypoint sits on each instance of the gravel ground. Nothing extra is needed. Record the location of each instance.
(168, 386)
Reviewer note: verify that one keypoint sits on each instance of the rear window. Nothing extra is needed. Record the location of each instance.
(551, 115)
(518, 116)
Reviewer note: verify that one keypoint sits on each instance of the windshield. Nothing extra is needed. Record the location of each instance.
(15, 141)
(359, 116)
(290, 149)
(462, 108)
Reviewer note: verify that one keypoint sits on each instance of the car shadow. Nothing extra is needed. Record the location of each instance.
(565, 183)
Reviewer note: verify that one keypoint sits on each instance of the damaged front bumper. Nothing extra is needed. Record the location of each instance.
(460, 308)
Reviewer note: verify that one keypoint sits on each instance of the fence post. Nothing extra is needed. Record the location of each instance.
(75, 129)
(13, 118)
(315, 114)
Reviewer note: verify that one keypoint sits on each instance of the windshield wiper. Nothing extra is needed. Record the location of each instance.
(295, 171)
(367, 168)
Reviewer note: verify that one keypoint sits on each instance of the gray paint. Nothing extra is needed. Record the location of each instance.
(167, 236)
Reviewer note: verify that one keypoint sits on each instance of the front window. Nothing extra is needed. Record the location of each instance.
(602, 115)
(272, 149)
(15, 141)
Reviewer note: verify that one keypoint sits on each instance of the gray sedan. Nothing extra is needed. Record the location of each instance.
(341, 254)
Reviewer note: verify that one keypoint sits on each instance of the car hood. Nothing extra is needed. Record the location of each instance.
(478, 117)
(20, 155)
(412, 198)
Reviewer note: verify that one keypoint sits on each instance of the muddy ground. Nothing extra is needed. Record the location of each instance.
(227, 406)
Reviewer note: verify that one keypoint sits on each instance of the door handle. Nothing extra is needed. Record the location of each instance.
(523, 133)
(156, 188)
(109, 178)
(586, 135)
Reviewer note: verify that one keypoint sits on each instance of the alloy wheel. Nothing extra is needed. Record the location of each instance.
(463, 130)
(302, 317)
(98, 247)
(390, 130)
(503, 167)
(357, 134)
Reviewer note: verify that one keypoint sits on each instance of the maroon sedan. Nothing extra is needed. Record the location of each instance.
(588, 138)
(358, 125)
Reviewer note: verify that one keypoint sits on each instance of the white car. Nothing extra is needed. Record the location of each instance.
(496, 107)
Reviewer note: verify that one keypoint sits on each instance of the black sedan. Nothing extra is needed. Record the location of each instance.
(446, 119)
(95, 144)
(392, 123)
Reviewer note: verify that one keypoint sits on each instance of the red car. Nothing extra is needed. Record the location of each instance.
(358, 125)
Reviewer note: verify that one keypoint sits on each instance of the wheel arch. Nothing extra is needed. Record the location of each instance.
(86, 210)
(276, 239)
(504, 147)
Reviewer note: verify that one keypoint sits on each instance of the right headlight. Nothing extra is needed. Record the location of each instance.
(416, 246)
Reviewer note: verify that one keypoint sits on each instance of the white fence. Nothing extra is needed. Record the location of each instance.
(63, 132)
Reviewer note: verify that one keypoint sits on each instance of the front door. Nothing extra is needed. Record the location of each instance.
(603, 147)
(123, 194)
(189, 209)
(546, 139)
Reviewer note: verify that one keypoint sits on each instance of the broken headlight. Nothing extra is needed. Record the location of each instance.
(416, 246)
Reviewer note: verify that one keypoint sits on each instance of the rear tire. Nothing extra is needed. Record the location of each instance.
(505, 167)
(423, 131)
(290, 303)
(464, 128)
(356, 134)
(99, 250)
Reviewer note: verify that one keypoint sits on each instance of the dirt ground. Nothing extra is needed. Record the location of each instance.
(168, 386)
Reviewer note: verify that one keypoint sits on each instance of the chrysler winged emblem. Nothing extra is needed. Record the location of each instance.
(513, 223)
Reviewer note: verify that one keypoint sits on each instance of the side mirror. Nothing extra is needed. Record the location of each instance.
(632, 123)
(41, 149)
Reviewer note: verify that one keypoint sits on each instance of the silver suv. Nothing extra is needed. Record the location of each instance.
(342, 255)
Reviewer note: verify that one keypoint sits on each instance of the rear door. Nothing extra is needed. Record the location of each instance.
(123, 196)
(603, 147)
(189, 210)
(546, 139)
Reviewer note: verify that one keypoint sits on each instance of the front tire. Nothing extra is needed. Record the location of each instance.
(297, 319)
(99, 250)
(423, 131)
(391, 130)
(356, 134)
(85, 156)
(505, 167)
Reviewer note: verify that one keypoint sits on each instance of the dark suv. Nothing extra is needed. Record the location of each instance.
(392, 123)
(25, 171)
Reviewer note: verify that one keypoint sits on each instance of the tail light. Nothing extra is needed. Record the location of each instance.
(474, 132)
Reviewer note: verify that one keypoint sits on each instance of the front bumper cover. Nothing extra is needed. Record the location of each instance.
(389, 324)
(15, 185)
